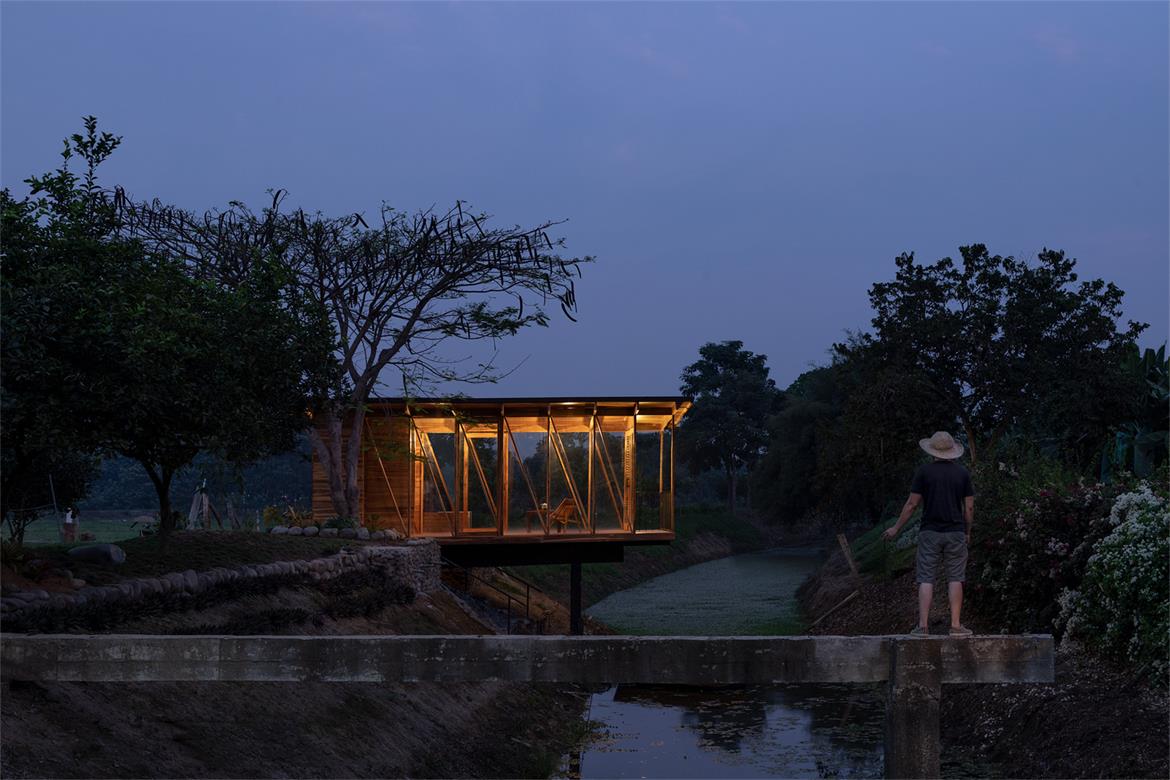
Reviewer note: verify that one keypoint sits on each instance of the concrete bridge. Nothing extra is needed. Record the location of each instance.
(914, 669)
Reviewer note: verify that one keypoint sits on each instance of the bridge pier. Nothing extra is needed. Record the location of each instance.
(912, 697)
(576, 625)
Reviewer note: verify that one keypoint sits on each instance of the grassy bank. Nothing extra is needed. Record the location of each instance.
(198, 550)
(701, 534)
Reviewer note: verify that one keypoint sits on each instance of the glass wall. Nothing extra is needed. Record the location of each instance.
(610, 486)
(482, 475)
(436, 453)
(526, 438)
(561, 470)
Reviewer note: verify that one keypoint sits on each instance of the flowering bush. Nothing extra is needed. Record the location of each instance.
(1023, 558)
(1122, 607)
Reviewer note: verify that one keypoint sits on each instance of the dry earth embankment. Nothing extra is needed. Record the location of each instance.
(1096, 720)
(292, 729)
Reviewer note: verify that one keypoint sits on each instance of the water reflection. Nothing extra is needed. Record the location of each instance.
(793, 731)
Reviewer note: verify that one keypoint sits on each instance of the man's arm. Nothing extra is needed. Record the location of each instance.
(969, 514)
(907, 510)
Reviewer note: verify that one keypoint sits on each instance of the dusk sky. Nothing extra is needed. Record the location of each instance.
(741, 171)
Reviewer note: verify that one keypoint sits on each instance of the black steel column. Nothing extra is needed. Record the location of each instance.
(576, 627)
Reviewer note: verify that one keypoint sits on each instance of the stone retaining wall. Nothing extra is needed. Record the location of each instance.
(415, 564)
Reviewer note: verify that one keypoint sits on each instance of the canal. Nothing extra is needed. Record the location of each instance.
(687, 732)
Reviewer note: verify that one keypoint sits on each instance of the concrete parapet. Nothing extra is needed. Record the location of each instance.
(590, 659)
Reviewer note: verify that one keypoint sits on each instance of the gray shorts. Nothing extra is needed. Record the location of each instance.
(947, 549)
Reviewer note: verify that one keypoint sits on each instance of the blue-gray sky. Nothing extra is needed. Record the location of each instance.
(742, 171)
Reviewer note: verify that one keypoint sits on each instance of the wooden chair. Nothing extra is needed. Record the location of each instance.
(566, 514)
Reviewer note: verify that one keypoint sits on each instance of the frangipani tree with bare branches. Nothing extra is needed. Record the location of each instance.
(394, 289)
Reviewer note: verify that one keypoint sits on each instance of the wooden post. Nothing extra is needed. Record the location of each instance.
(576, 627)
(913, 690)
(841, 540)
(673, 437)
(548, 456)
(589, 473)
(501, 476)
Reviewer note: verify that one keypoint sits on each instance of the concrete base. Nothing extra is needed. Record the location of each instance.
(912, 698)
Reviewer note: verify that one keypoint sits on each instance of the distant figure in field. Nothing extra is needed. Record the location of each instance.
(69, 527)
(944, 489)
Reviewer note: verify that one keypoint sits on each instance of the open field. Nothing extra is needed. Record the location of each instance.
(198, 550)
(106, 526)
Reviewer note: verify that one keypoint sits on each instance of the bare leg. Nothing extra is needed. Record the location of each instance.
(925, 596)
(955, 595)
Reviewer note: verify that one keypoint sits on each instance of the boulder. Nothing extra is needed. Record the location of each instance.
(393, 534)
(347, 533)
(310, 531)
(363, 533)
(77, 583)
(295, 531)
(377, 535)
(328, 532)
(278, 530)
(99, 553)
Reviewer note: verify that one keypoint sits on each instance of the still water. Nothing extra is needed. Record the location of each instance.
(687, 732)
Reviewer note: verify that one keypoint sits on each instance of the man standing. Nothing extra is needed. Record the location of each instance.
(944, 489)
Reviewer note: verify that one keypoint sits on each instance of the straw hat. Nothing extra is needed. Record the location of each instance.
(941, 445)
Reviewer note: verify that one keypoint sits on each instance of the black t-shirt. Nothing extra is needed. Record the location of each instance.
(943, 485)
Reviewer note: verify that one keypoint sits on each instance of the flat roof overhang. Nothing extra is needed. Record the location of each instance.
(668, 407)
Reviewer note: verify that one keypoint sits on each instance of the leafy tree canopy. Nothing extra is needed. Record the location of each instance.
(995, 339)
(733, 396)
(119, 349)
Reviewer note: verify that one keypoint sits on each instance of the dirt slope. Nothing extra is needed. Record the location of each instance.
(1095, 721)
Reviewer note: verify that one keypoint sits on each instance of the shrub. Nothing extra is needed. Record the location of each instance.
(1022, 560)
(271, 516)
(375, 522)
(1122, 607)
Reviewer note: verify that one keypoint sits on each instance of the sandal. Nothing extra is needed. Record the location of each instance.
(961, 631)
(919, 631)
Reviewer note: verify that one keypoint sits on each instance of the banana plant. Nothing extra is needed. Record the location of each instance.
(1141, 444)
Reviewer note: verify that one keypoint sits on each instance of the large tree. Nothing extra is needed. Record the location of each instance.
(115, 348)
(784, 479)
(1001, 342)
(733, 396)
(398, 289)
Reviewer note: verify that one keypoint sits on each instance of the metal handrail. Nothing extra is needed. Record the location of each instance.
(469, 576)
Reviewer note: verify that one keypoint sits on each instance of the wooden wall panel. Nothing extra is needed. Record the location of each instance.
(322, 503)
(387, 487)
